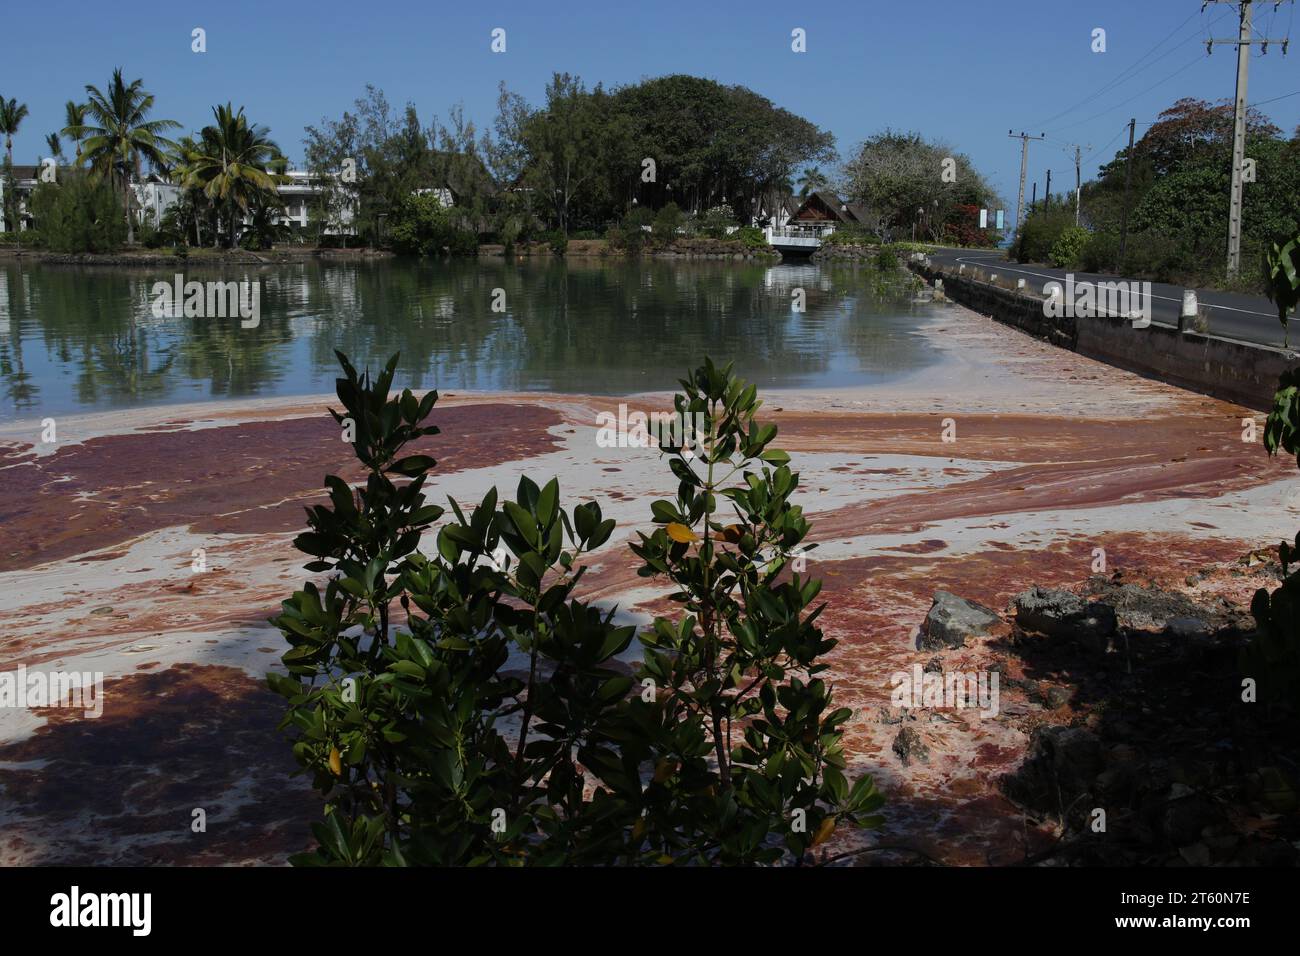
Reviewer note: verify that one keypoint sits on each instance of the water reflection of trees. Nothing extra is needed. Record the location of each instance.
(601, 325)
(578, 325)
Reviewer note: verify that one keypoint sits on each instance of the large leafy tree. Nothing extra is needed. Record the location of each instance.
(896, 173)
(568, 143)
(1180, 186)
(713, 144)
(390, 159)
(118, 135)
(333, 155)
(1193, 126)
(236, 165)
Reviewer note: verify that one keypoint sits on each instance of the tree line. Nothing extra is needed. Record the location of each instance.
(679, 152)
(1177, 201)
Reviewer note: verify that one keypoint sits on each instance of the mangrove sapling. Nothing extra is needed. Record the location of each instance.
(729, 753)
(400, 726)
(739, 667)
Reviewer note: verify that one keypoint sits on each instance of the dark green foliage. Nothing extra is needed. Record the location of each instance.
(851, 234)
(667, 221)
(630, 235)
(1040, 232)
(557, 240)
(739, 666)
(1067, 251)
(1280, 266)
(80, 213)
(1100, 252)
(400, 722)
(1273, 658)
(1181, 172)
(711, 144)
(422, 226)
(887, 260)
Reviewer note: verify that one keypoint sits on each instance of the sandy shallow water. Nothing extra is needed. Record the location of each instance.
(1055, 456)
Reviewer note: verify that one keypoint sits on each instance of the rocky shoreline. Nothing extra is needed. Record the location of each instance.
(1140, 749)
(699, 249)
(195, 257)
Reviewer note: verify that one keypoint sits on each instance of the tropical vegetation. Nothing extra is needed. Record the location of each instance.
(903, 181)
(640, 165)
(117, 136)
(469, 706)
(1178, 201)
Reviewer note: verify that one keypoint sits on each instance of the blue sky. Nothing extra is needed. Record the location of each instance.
(955, 70)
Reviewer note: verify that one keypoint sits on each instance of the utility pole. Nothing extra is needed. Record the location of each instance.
(1047, 193)
(1024, 166)
(1243, 44)
(1128, 185)
(1078, 184)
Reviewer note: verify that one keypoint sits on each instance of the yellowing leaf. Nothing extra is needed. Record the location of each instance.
(336, 761)
(664, 769)
(824, 831)
(681, 534)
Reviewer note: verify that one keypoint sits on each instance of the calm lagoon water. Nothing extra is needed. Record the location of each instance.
(84, 338)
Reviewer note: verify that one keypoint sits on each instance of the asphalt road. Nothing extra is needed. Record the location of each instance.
(1249, 318)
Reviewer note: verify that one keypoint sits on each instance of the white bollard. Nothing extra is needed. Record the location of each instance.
(1020, 285)
(961, 269)
(938, 285)
(1187, 315)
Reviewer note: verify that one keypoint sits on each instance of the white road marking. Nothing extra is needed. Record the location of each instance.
(1208, 305)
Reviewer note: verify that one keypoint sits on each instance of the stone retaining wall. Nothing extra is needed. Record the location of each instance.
(1234, 371)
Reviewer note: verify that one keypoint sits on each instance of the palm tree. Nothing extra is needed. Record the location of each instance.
(811, 180)
(74, 116)
(236, 165)
(12, 114)
(193, 205)
(54, 145)
(118, 135)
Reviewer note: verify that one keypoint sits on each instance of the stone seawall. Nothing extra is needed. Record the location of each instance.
(1234, 371)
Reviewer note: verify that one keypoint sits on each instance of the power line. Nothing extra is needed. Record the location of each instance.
(1275, 99)
(1102, 149)
(1111, 109)
(1128, 73)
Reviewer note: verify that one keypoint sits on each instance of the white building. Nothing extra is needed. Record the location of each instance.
(25, 179)
(153, 197)
(299, 195)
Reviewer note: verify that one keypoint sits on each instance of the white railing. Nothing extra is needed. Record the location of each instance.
(799, 235)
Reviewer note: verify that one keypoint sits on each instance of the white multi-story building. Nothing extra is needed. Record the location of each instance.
(25, 179)
(154, 195)
(299, 195)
